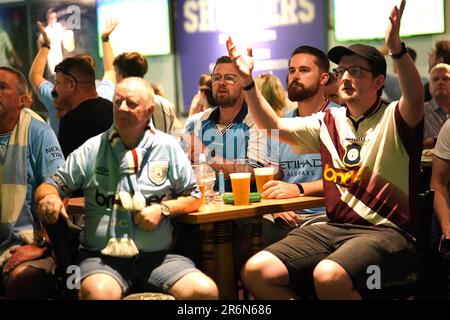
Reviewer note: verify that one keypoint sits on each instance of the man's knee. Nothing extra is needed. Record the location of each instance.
(329, 273)
(195, 285)
(254, 268)
(100, 287)
(26, 282)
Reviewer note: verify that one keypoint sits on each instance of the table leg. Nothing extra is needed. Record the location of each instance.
(225, 277)
(208, 262)
(256, 233)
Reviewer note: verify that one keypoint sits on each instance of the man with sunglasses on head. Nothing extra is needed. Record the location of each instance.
(83, 113)
(370, 156)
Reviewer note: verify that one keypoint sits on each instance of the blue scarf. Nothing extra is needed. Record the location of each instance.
(128, 198)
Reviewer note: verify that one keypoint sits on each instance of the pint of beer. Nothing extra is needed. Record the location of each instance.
(262, 175)
(240, 184)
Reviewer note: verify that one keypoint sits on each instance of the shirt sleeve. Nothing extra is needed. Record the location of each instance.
(305, 131)
(105, 89)
(48, 154)
(183, 175)
(71, 176)
(8, 43)
(44, 93)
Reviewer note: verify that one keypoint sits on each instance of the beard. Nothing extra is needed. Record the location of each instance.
(298, 92)
(224, 100)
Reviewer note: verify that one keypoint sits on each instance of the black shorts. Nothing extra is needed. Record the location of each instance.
(353, 247)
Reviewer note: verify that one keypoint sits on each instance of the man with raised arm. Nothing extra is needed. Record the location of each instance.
(370, 156)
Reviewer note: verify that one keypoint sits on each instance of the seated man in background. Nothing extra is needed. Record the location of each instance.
(440, 53)
(29, 153)
(437, 110)
(370, 154)
(145, 179)
(299, 174)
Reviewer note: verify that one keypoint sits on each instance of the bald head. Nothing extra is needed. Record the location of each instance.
(139, 87)
(133, 105)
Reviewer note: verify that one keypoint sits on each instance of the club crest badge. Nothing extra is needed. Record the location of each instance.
(157, 171)
(352, 155)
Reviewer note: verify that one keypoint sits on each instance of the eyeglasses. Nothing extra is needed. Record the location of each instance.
(67, 73)
(228, 78)
(355, 72)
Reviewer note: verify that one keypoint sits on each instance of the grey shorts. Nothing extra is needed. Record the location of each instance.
(353, 247)
(155, 271)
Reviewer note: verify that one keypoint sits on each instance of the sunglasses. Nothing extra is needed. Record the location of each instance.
(67, 73)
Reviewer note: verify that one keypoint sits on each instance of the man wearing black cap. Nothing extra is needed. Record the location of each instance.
(370, 152)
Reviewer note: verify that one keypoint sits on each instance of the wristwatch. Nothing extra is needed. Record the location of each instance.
(399, 54)
(41, 242)
(165, 210)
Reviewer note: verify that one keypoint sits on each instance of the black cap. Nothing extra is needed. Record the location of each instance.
(374, 57)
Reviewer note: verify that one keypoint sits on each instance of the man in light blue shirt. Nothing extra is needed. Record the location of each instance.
(129, 202)
(29, 153)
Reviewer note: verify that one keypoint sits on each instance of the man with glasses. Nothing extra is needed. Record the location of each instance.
(227, 133)
(83, 114)
(370, 157)
(231, 141)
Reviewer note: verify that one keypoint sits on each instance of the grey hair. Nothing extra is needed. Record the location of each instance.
(21, 83)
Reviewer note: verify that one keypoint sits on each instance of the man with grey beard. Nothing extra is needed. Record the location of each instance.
(227, 134)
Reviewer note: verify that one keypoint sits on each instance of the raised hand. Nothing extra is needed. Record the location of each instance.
(45, 38)
(110, 26)
(392, 38)
(244, 63)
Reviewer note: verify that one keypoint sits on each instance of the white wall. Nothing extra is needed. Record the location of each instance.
(422, 44)
(161, 69)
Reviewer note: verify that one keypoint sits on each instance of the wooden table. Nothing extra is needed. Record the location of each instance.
(216, 226)
(216, 229)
